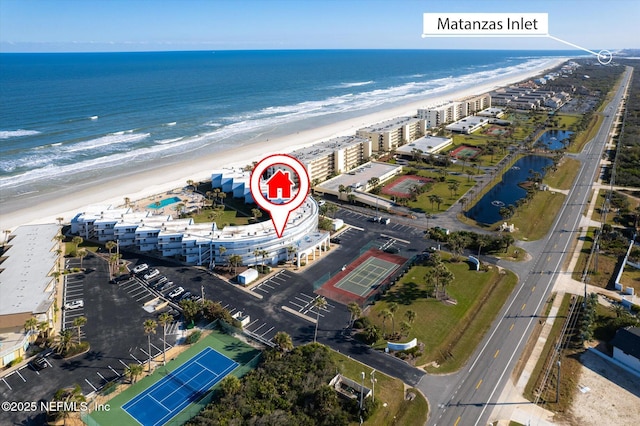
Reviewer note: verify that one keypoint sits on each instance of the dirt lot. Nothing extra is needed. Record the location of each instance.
(613, 397)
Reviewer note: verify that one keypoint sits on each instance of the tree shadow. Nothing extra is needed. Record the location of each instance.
(407, 293)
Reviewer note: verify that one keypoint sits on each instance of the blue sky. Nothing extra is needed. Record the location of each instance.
(141, 25)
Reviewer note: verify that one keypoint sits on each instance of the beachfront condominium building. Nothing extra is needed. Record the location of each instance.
(449, 112)
(206, 245)
(389, 135)
(28, 286)
(333, 157)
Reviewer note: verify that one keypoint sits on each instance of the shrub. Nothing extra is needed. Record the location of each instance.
(362, 322)
(15, 362)
(193, 337)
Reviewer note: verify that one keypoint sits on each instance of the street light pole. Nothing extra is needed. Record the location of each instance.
(361, 396)
(373, 385)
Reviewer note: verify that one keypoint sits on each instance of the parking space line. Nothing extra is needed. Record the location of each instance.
(5, 382)
(123, 363)
(23, 379)
(105, 380)
(116, 373)
(94, 388)
(263, 324)
(262, 335)
(32, 367)
(261, 289)
(133, 356)
(295, 304)
(156, 347)
(251, 323)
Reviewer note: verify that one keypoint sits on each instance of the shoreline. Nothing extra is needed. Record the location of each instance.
(67, 202)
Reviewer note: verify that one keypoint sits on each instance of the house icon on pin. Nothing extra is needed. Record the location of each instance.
(280, 183)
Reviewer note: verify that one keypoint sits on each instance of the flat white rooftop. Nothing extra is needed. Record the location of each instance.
(390, 124)
(25, 279)
(426, 144)
(325, 148)
(359, 175)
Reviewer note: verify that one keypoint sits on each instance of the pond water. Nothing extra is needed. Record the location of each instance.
(507, 191)
(553, 139)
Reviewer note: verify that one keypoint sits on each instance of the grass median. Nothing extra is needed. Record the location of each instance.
(450, 332)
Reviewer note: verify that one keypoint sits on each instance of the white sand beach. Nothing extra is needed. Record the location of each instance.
(148, 183)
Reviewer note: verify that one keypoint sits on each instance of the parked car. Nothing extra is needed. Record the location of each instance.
(39, 363)
(151, 275)
(392, 250)
(140, 268)
(196, 297)
(385, 220)
(120, 278)
(166, 286)
(156, 284)
(175, 293)
(185, 296)
(335, 240)
(74, 304)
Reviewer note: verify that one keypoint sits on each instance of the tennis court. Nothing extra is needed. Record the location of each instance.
(465, 151)
(179, 388)
(403, 186)
(366, 276)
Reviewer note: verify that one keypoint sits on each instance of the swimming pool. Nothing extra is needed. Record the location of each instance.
(163, 203)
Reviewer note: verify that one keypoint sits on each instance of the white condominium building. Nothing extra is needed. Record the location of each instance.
(453, 111)
(203, 243)
(389, 135)
(333, 157)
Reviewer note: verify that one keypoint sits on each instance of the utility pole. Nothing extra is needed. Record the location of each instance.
(558, 384)
(373, 385)
(361, 396)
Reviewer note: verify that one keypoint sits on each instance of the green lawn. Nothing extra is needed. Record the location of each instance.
(587, 135)
(388, 390)
(534, 220)
(564, 176)
(449, 333)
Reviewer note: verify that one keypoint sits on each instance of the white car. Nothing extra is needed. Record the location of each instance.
(177, 292)
(152, 274)
(74, 304)
(140, 268)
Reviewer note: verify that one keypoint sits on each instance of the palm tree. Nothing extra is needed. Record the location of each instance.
(432, 199)
(438, 200)
(133, 371)
(385, 314)
(43, 329)
(149, 329)
(410, 316)
(393, 308)
(59, 219)
(256, 213)
(110, 245)
(222, 196)
(320, 303)
(235, 260)
(31, 324)
(221, 251)
(164, 319)
(405, 326)
(428, 216)
(78, 322)
(290, 250)
(82, 253)
(64, 342)
(69, 397)
(355, 312)
(127, 201)
(77, 240)
(283, 341)
(482, 241)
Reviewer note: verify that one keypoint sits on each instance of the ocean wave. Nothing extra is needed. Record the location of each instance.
(354, 84)
(55, 170)
(173, 123)
(106, 141)
(168, 141)
(212, 124)
(7, 134)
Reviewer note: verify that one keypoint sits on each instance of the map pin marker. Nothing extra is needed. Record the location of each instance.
(279, 200)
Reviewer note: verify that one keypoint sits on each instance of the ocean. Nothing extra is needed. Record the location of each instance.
(74, 118)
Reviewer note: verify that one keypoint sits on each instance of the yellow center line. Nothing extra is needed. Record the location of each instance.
(457, 421)
(478, 385)
(533, 289)
(511, 328)
(497, 352)
(523, 306)
(548, 258)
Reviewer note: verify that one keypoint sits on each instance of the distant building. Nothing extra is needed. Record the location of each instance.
(453, 111)
(28, 286)
(626, 347)
(391, 134)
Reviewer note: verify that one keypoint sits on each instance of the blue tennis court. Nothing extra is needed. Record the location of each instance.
(186, 384)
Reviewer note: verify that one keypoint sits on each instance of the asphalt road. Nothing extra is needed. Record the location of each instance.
(468, 397)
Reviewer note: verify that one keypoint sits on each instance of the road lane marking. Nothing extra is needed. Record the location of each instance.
(479, 383)
(533, 289)
(457, 421)
(511, 328)
(523, 305)
(496, 354)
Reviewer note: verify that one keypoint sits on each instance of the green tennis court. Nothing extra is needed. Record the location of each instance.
(366, 276)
